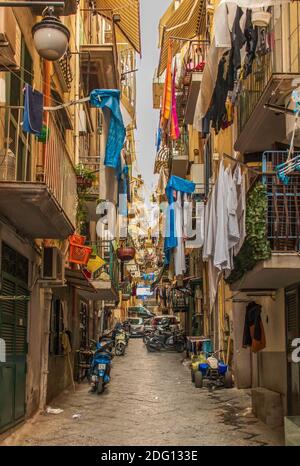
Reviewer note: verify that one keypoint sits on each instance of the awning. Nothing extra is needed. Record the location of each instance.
(184, 24)
(129, 24)
(77, 279)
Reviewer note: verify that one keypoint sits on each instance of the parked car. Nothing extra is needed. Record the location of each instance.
(164, 321)
(136, 327)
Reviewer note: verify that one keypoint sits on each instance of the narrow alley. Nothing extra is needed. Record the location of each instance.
(150, 223)
(150, 401)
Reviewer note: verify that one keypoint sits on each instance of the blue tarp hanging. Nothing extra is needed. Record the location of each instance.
(175, 183)
(110, 98)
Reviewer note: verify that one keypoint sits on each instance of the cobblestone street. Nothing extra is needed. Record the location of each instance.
(150, 401)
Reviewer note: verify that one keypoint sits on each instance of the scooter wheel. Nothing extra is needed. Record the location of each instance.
(150, 348)
(100, 386)
(120, 349)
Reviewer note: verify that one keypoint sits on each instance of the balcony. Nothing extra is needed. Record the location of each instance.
(37, 181)
(128, 80)
(158, 90)
(191, 77)
(283, 231)
(98, 56)
(271, 82)
(180, 156)
(105, 283)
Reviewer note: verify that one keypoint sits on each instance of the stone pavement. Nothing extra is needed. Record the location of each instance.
(150, 401)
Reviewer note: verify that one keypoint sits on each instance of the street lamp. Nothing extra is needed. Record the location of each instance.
(50, 36)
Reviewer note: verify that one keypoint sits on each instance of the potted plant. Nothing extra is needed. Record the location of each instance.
(85, 177)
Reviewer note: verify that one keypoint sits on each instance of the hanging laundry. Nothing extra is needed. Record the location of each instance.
(240, 182)
(254, 334)
(175, 133)
(179, 255)
(174, 185)
(33, 111)
(103, 98)
(167, 99)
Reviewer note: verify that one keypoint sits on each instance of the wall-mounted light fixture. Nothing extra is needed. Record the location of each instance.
(50, 36)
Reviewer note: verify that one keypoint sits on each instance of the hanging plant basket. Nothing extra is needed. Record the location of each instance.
(126, 254)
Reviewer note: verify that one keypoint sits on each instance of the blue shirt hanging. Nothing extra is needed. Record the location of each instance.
(175, 183)
(110, 98)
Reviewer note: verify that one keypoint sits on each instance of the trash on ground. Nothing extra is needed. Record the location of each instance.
(50, 410)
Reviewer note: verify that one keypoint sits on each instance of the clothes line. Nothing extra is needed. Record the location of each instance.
(241, 163)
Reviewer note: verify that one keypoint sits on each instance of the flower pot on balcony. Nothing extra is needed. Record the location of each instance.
(261, 18)
(126, 254)
(83, 182)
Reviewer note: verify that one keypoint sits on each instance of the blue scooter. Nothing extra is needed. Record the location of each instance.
(101, 366)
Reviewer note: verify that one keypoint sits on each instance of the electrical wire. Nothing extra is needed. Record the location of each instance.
(25, 82)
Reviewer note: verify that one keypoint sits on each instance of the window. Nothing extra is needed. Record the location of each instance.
(56, 328)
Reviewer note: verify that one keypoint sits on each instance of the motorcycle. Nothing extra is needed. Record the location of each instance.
(120, 342)
(100, 366)
(166, 340)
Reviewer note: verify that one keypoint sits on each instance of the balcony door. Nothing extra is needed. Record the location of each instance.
(292, 306)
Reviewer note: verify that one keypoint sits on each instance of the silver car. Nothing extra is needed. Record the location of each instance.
(136, 327)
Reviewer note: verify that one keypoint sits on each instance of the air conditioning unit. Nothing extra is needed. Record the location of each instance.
(7, 165)
(10, 40)
(53, 266)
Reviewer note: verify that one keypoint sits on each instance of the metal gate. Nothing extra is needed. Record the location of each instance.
(13, 332)
(292, 304)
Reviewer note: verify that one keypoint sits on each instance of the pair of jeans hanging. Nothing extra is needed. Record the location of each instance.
(110, 99)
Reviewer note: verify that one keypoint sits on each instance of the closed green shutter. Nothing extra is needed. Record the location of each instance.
(13, 330)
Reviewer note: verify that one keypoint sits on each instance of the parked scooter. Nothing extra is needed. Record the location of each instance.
(101, 366)
(166, 340)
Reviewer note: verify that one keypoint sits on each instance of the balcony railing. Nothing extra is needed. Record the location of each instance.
(106, 251)
(59, 173)
(128, 79)
(20, 159)
(283, 218)
(279, 57)
(194, 60)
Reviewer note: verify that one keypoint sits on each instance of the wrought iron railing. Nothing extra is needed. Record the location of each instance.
(280, 56)
(106, 251)
(283, 213)
(22, 159)
(128, 77)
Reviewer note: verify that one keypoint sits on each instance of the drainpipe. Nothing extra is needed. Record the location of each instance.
(77, 85)
(47, 101)
(45, 347)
